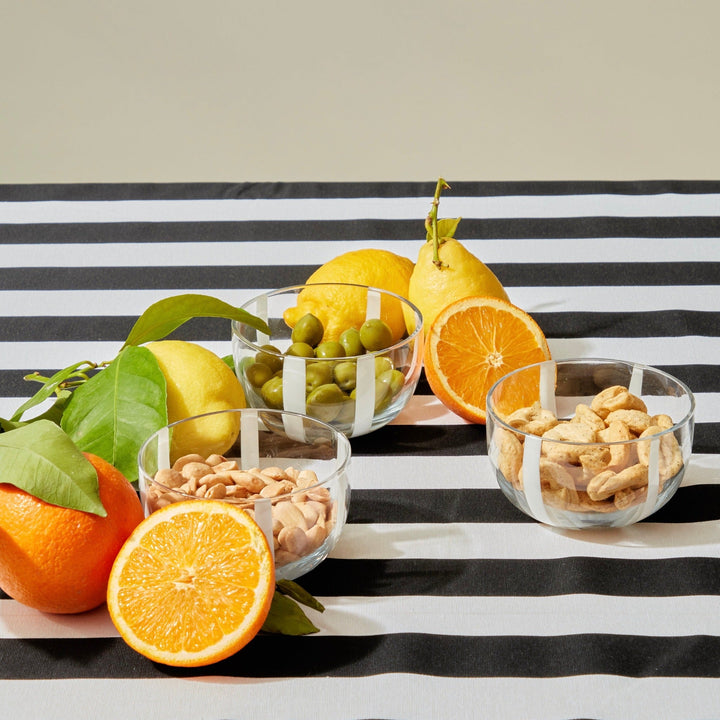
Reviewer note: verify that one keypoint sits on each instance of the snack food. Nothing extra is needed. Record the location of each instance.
(303, 511)
(599, 459)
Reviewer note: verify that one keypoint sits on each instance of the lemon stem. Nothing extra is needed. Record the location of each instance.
(431, 222)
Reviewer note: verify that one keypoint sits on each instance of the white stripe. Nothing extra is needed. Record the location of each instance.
(297, 252)
(591, 298)
(464, 616)
(687, 350)
(315, 209)
(396, 695)
(530, 616)
(532, 541)
(452, 472)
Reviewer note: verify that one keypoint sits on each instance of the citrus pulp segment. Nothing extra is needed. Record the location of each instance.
(472, 343)
(193, 584)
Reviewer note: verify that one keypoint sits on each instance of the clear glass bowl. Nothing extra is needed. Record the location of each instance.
(601, 443)
(290, 472)
(379, 385)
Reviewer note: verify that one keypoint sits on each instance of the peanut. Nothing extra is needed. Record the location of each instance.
(303, 511)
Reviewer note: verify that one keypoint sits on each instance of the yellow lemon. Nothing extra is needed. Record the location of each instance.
(342, 308)
(462, 275)
(198, 382)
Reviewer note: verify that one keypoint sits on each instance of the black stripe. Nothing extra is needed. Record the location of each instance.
(360, 230)
(696, 503)
(340, 656)
(515, 577)
(672, 323)
(659, 323)
(210, 277)
(267, 190)
(670, 577)
(455, 440)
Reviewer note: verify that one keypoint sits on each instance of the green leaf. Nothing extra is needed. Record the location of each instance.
(42, 460)
(166, 315)
(446, 228)
(288, 587)
(116, 410)
(50, 385)
(286, 617)
(229, 360)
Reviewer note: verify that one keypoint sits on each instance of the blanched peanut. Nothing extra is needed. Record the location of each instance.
(303, 512)
(169, 478)
(196, 470)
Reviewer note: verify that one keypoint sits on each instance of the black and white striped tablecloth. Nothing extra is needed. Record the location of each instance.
(442, 600)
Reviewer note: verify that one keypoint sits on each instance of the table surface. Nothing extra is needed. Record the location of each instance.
(442, 599)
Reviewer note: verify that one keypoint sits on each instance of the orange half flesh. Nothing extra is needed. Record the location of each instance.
(474, 342)
(193, 583)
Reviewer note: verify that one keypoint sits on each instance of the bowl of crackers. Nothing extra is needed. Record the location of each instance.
(588, 443)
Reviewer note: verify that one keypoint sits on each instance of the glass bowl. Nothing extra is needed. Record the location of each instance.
(592, 443)
(289, 471)
(355, 393)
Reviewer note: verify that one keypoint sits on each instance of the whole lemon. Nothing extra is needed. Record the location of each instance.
(198, 382)
(56, 559)
(432, 288)
(341, 308)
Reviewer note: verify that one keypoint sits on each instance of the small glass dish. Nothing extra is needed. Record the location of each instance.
(375, 386)
(601, 443)
(290, 472)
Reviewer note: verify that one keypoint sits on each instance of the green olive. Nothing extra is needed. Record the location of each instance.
(350, 340)
(308, 329)
(325, 402)
(272, 392)
(375, 335)
(330, 349)
(345, 375)
(394, 379)
(328, 393)
(258, 374)
(387, 386)
(383, 364)
(316, 374)
(346, 414)
(274, 362)
(301, 349)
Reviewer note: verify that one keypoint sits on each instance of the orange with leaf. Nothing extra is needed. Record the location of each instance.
(58, 559)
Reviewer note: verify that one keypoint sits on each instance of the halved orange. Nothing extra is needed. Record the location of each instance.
(471, 344)
(193, 583)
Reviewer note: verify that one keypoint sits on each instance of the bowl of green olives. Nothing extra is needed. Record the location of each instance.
(337, 352)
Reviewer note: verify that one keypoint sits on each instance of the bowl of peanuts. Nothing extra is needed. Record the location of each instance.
(340, 361)
(602, 443)
(288, 471)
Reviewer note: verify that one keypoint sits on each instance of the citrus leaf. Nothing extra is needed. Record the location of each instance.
(49, 387)
(116, 410)
(299, 594)
(446, 228)
(286, 617)
(42, 460)
(166, 315)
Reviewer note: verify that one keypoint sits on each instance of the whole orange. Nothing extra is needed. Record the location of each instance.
(57, 559)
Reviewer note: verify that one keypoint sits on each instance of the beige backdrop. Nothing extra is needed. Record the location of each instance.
(144, 90)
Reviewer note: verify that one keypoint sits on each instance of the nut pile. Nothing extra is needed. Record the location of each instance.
(303, 512)
(591, 478)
